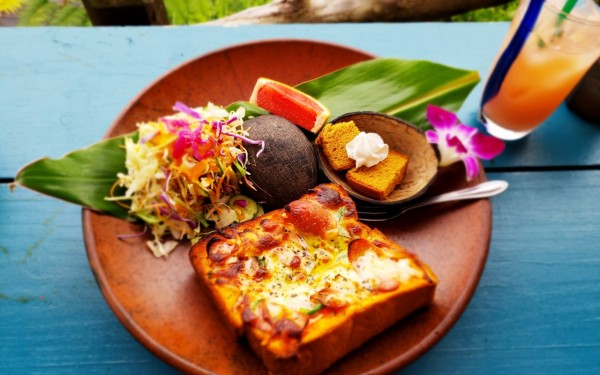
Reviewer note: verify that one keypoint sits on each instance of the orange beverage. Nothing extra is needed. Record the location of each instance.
(552, 61)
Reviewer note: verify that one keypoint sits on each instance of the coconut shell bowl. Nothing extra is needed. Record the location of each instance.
(402, 137)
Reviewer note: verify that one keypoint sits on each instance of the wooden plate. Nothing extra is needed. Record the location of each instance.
(161, 302)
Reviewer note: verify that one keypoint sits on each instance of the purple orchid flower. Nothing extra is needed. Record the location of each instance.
(456, 141)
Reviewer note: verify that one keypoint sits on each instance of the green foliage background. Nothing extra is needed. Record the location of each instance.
(50, 13)
(504, 12)
(186, 12)
(180, 12)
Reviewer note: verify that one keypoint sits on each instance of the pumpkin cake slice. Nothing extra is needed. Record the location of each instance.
(309, 283)
(333, 140)
(381, 179)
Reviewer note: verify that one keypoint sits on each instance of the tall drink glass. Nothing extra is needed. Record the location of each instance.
(546, 53)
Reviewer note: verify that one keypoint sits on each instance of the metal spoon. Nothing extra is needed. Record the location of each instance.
(482, 190)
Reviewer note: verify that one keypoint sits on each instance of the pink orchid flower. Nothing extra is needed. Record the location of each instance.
(456, 141)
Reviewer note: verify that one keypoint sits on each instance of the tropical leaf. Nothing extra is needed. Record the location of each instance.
(84, 177)
(251, 109)
(400, 88)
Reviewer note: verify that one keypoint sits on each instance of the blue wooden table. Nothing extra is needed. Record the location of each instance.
(537, 307)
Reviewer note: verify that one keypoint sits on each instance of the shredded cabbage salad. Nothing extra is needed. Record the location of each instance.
(182, 172)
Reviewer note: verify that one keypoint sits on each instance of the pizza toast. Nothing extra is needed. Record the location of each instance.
(308, 283)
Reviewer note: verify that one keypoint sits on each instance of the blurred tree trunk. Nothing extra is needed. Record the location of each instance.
(314, 11)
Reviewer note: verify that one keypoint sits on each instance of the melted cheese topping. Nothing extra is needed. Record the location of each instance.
(295, 288)
(302, 273)
(374, 270)
(321, 264)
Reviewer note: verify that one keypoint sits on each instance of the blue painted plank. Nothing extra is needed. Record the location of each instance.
(537, 308)
(64, 86)
(53, 318)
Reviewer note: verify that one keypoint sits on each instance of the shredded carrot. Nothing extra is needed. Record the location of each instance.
(111, 194)
(180, 172)
(219, 187)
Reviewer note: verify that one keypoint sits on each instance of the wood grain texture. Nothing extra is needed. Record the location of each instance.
(65, 86)
(53, 318)
(537, 308)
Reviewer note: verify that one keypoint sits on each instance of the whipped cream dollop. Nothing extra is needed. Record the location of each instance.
(367, 149)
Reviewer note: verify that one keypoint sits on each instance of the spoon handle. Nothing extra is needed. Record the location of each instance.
(482, 190)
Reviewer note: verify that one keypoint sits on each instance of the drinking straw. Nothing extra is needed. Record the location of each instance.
(567, 8)
(512, 51)
(564, 12)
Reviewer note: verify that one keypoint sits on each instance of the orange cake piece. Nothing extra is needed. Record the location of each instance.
(333, 140)
(381, 179)
(309, 283)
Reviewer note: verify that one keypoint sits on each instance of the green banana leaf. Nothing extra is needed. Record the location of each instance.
(400, 88)
(251, 109)
(84, 177)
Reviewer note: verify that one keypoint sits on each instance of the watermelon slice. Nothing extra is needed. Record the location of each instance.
(290, 103)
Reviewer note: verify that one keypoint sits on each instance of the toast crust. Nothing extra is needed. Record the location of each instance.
(309, 283)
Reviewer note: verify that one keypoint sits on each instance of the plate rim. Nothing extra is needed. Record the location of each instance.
(119, 310)
(451, 318)
(191, 60)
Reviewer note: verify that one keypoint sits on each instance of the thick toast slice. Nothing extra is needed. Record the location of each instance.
(308, 283)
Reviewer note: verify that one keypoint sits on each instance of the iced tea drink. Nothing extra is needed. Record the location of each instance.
(555, 56)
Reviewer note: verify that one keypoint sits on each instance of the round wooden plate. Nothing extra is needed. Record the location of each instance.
(161, 302)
